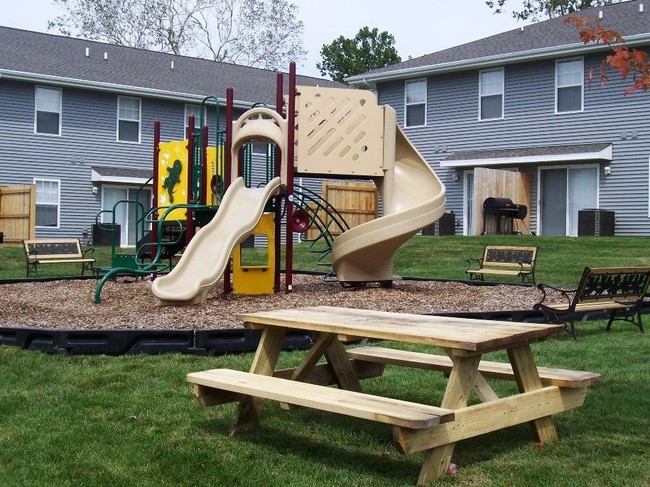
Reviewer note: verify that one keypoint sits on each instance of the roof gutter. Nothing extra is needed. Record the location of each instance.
(111, 87)
(490, 61)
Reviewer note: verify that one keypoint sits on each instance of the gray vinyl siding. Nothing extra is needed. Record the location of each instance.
(88, 138)
(530, 120)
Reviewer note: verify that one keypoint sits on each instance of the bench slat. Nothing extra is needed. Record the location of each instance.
(505, 261)
(356, 404)
(54, 260)
(55, 251)
(487, 270)
(498, 370)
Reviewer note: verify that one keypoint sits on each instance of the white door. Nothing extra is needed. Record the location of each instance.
(563, 193)
(127, 214)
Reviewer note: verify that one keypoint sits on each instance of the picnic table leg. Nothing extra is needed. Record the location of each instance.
(264, 363)
(329, 345)
(317, 350)
(338, 358)
(460, 385)
(527, 377)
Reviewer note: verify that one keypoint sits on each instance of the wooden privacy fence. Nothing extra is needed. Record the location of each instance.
(356, 203)
(499, 184)
(17, 213)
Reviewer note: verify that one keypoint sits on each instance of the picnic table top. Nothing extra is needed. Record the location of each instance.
(463, 335)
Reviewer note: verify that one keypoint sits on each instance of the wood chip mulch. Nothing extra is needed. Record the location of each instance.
(130, 304)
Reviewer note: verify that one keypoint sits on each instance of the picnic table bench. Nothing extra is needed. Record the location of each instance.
(504, 261)
(417, 427)
(57, 251)
(618, 291)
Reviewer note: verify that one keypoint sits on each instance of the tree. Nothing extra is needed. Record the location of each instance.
(624, 60)
(369, 49)
(261, 33)
(538, 9)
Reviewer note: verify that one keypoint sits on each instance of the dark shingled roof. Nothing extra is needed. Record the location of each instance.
(38, 56)
(624, 17)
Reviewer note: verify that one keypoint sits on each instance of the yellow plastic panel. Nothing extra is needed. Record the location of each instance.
(256, 279)
(172, 176)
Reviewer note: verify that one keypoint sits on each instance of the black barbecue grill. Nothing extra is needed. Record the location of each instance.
(499, 214)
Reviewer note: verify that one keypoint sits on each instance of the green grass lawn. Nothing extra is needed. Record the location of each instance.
(99, 420)
(560, 259)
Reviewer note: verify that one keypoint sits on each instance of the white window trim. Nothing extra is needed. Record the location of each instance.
(117, 125)
(503, 94)
(406, 105)
(582, 85)
(58, 202)
(466, 216)
(197, 120)
(36, 88)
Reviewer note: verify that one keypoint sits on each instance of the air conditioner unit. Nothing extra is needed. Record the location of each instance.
(596, 222)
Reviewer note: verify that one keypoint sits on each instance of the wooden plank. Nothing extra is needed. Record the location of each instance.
(17, 212)
(499, 184)
(338, 358)
(323, 375)
(356, 202)
(491, 416)
(549, 376)
(365, 406)
(461, 380)
(266, 357)
(527, 377)
(466, 336)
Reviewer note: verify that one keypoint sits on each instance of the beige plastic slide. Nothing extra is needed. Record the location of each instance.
(413, 197)
(207, 254)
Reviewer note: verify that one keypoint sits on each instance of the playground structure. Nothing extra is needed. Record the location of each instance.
(327, 132)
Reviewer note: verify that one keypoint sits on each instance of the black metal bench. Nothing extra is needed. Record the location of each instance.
(57, 251)
(504, 261)
(618, 291)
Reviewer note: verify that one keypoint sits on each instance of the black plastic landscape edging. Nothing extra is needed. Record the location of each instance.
(201, 342)
(131, 342)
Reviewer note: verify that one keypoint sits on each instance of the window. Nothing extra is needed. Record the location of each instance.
(416, 103)
(491, 94)
(128, 119)
(47, 104)
(47, 202)
(196, 111)
(569, 78)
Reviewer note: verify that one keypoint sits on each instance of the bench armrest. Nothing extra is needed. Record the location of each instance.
(565, 293)
(472, 260)
(89, 252)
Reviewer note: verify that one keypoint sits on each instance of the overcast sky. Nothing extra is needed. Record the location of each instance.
(419, 26)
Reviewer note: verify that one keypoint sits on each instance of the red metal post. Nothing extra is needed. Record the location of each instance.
(279, 104)
(154, 190)
(227, 285)
(204, 163)
(156, 173)
(291, 121)
(189, 223)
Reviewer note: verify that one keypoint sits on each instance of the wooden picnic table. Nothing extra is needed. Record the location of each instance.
(428, 428)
